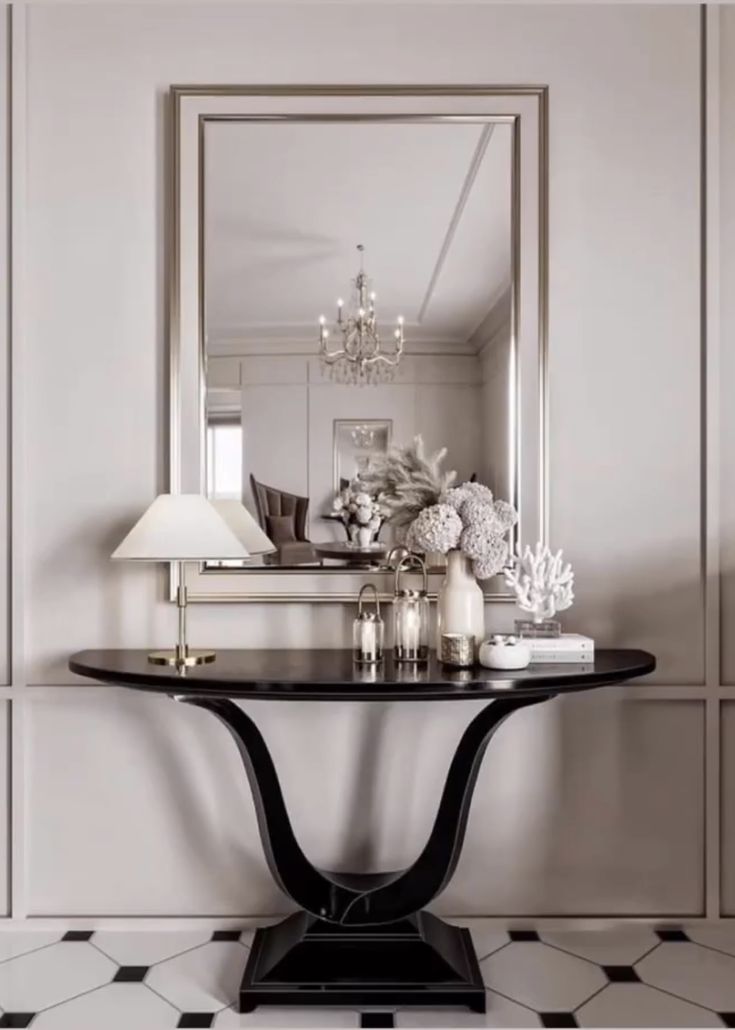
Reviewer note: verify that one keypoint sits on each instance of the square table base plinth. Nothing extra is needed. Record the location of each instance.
(420, 961)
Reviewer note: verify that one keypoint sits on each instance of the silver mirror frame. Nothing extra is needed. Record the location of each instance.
(526, 109)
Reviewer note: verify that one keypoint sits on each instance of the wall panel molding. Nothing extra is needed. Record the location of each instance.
(29, 658)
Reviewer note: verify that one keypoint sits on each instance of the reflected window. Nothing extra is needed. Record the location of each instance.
(224, 455)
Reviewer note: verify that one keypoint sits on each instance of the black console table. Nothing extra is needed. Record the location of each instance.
(363, 938)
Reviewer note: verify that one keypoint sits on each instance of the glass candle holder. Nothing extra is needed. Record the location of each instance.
(411, 615)
(368, 630)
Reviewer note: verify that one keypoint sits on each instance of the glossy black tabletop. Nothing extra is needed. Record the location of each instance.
(322, 675)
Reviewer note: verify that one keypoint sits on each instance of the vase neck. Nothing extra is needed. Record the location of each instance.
(459, 566)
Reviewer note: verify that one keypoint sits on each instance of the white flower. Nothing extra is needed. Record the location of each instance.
(338, 504)
(457, 496)
(477, 542)
(436, 528)
(364, 514)
(493, 562)
(363, 499)
(506, 514)
(477, 514)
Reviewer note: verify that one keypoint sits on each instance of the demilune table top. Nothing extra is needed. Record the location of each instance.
(320, 674)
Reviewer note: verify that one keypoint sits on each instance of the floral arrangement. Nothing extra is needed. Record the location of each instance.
(358, 509)
(542, 582)
(436, 515)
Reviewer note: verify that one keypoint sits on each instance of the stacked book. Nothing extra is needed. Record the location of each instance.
(569, 647)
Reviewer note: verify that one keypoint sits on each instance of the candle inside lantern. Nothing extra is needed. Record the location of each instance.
(411, 616)
(367, 631)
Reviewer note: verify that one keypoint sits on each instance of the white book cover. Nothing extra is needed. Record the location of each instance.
(561, 658)
(571, 642)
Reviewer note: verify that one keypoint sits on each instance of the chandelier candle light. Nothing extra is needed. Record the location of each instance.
(360, 359)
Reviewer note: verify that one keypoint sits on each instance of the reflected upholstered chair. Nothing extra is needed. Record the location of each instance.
(282, 517)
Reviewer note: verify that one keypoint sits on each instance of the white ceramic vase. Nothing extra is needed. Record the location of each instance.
(460, 607)
(364, 537)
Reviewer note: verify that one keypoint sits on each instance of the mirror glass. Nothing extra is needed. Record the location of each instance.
(408, 222)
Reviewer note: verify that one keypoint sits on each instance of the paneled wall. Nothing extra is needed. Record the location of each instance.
(125, 806)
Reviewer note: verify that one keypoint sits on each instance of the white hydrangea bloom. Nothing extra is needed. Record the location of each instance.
(476, 542)
(506, 514)
(493, 562)
(436, 528)
(456, 497)
(477, 514)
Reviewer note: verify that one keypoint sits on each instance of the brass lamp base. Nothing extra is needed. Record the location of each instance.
(191, 658)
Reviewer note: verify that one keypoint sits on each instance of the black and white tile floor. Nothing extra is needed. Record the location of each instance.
(633, 976)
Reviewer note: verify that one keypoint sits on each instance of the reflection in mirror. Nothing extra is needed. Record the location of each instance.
(317, 355)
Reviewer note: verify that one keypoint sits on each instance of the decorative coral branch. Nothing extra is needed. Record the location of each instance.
(542, 582)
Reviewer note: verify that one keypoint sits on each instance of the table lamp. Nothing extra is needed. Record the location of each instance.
(180, 528)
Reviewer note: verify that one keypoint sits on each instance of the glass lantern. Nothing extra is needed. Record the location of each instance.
(368, 630)
(411, 615)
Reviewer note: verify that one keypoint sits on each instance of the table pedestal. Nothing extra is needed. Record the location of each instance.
(420, 961)
(362, 939)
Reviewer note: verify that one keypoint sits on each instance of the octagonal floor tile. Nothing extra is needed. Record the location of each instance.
(634, 1005)
(267, 1016)
(698, 974)
(486, 937)
(51, 975)
(20, 942)
(204, 979)
(115, 1007)
(714, 936)
(501, 1012)
(541, 977)
(145, 947)
(619, 947)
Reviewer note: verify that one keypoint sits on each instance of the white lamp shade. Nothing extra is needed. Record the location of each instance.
(180, 527)
(243, 525)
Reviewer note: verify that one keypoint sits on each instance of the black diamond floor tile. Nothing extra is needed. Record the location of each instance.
(17, 1019)
(226, 935)
(195, 1019)
(671, 935)
(621, 974)
(376, 1019)
(523, 935)
(728, 1018)
(77, 935)
(130, 974)
(557, 1019)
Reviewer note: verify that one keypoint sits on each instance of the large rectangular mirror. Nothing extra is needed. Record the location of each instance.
(353, 269)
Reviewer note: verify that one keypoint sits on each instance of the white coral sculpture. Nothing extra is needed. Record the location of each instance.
(406, 481)
(542, 582)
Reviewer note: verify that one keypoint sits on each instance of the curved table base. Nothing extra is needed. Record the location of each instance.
(363, 939)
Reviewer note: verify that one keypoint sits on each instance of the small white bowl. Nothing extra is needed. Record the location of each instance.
(502, 654)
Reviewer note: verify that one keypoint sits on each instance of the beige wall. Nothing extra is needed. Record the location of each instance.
(593, 805)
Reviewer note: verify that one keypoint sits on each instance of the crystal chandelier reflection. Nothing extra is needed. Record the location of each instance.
(360, 359)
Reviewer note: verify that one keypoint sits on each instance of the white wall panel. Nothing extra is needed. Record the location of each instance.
(727, 812)
(727, 356)
(623, 287)
(591, 806)
(139, 806)
(4, 808)
(4, 354)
